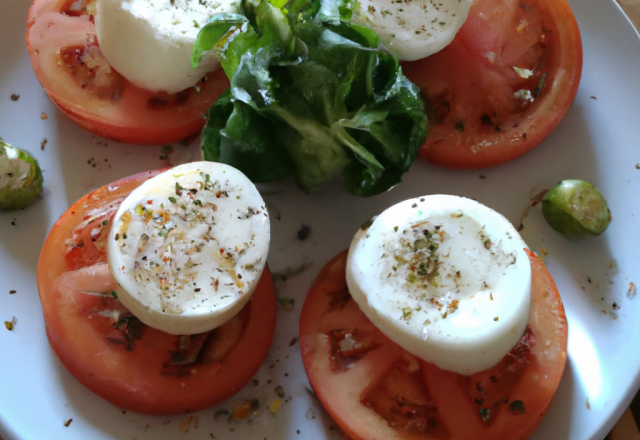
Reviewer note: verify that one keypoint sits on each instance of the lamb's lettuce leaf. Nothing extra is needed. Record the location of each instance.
(311, 96)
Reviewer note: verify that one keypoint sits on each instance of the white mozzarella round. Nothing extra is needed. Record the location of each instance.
(446, 278)
(188, 246)
(413, 29)
(149, 42)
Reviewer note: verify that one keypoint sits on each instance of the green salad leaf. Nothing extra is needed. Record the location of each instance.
(311, 96)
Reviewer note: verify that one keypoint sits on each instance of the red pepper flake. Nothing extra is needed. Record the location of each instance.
(185, 424)
(244, 410)
(293, 342)
(632, 290)
(15, 97)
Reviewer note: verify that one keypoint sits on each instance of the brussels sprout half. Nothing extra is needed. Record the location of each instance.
(20, 177)
(575, 209)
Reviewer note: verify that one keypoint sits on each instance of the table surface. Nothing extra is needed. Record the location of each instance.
(632, 9)
(627, 427)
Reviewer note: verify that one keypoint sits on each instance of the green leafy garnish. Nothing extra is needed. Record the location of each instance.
(517, 407)
(485, 414)
(310, 96)
(131, 328)
(291, 272)
(286, 303)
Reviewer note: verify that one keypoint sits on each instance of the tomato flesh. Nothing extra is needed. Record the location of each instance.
(66, 58)
(400, 396)
(116, 356)
(502, 85)
(384, 392)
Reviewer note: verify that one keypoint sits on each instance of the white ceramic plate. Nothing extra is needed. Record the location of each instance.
(597, 141)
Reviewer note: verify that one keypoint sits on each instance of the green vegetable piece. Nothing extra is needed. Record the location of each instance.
(213, 32)
(517, 407)
(312, 97)
(20, 178)
(286, 303)
(278, 3)
(576, 209)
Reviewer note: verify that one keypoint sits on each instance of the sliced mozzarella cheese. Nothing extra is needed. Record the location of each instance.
(444, 277)
(150, 41)
(413, 29)
(188, 246)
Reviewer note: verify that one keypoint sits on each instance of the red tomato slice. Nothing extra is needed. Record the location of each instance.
(117, 357)
(66, 58)
(376, 390)
(476, 121)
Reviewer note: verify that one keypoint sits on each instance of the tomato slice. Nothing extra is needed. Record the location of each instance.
(66, 58)
(375, 390)
(477, 87)
(116, 356)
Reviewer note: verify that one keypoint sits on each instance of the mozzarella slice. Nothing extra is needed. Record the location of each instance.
(150, 41)
(444, 277)
(188, 246)
(413, 29)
